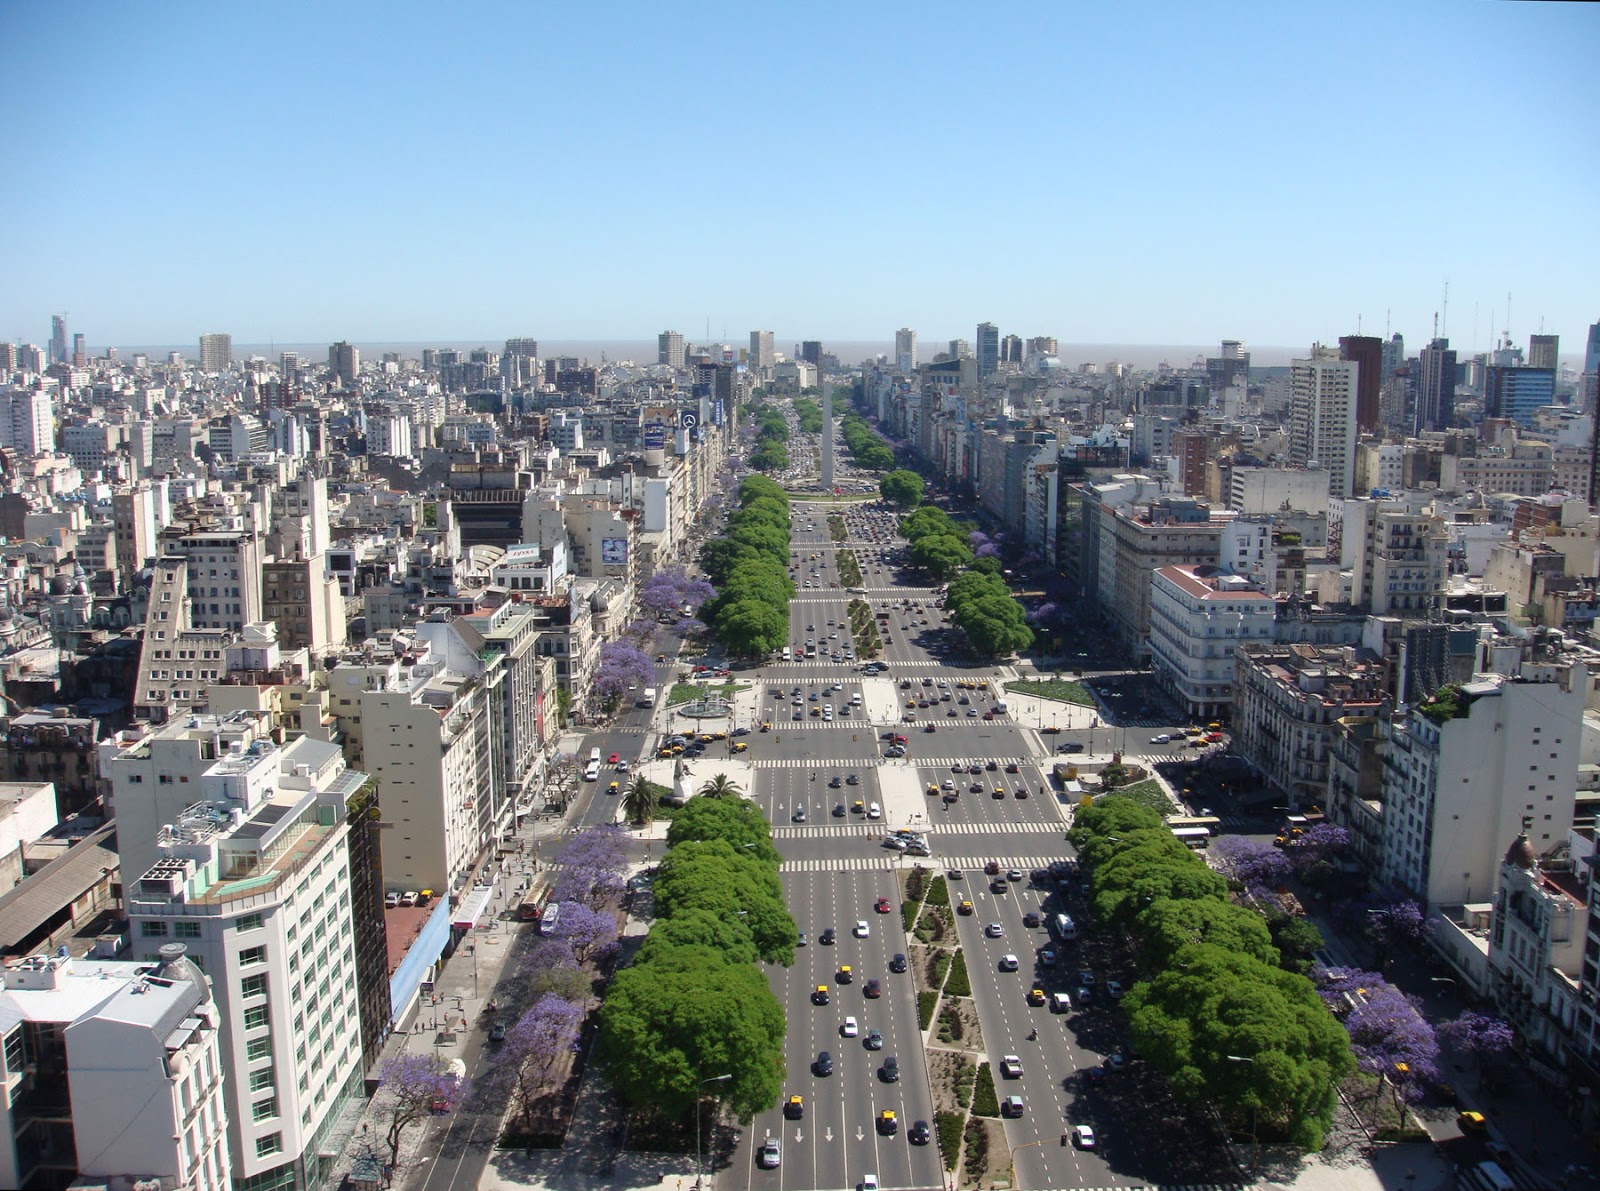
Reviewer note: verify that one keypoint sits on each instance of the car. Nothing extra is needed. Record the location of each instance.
(994, 930)
(1161, 738)
(1086, 978)
(898, 962)
(1009, 963)
(890, 1071)
(964, 906)
(998, 885)
(975, 788)
(1013, 767)
(408, 898)
(828, 936)
(391, 900)
(974, 769)
(859, 807)
(1094, 1076)
(1472, 1122)
(1083, 1137)
(768, 1157)
(797, 716)
(835, 782)
(497, 1032)
(1031, 919)
(838, 810)
(1036, 995)
(869, 1182)
(1085, 994)
(1047, 958)
(799, 815)
(919, 1133)
(1116, 1061)
(1114, 989)
(999, 791)
(820, 996)
(882, 905)
(845, 974)
(872, 989)
(1011, 1067)
(1014, 874)
(850, 1029)
(1011, 1106)
(800, 939)
(824, 1064)
(613, 759)
(852, 780)
(873, 1040)
(991, 868)
(794, 1108)
(862, 929)
(954, 874)
(888, 1123)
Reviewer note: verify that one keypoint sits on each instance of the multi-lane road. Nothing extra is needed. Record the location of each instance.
(832, 794)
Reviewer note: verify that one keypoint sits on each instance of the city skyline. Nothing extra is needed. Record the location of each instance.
(1146, 200)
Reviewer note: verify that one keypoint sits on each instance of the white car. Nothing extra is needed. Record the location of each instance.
(1083, 1136)
(869, 1182)
(1163, 738)
(862, 929)
(851, 1028)
(622, 766)
(1008, 963)
(994, 930)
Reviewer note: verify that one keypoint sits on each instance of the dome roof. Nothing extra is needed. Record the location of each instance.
(1520, 853)
(600, 602)
(61, 585)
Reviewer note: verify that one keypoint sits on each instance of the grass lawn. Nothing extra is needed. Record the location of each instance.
(688, 692)
(1061, 690)
(1147, 793)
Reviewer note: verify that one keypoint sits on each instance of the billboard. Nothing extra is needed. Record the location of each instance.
(718, 413)
(688, 419)
(655, 437)
(613, 552)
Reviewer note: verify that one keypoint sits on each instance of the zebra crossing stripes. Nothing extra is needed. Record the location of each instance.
(888, 860)
(936, 832)
(943, 763)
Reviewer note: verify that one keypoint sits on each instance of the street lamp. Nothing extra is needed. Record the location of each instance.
(1254, 1151)
(699, 1174)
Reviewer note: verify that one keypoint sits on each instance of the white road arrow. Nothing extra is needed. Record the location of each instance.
(827, 1134)
(797, 1137)
(861, 1134)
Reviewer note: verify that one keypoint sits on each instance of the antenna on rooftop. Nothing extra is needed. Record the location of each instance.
(1446, 317)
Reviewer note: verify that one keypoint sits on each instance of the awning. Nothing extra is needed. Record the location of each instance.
(471, 907)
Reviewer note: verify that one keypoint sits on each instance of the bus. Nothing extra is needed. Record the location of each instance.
(1210, 822)
(548, 919)
(1193, 837)
(528, 909)
(647, 697)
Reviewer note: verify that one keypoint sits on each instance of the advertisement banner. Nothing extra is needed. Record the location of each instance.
(613, 552)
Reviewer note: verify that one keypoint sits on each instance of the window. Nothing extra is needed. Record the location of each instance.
(255, 1017)
(248, 922)
(261, 1081)
(253, 986)
(271, 1144)
(264, 1110)
(186, 930)
(252, 955)
(153, 930)
(257, 1049)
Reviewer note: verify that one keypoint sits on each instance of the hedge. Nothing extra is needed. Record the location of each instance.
(985, 1100)
(927, 1002)
(938, 893)
(958, 983)
(908, 915)
(949, 1125)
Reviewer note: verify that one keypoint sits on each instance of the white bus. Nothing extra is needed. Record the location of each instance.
(591, 772)
(647, 697)
(548, 919)
(1193, 837)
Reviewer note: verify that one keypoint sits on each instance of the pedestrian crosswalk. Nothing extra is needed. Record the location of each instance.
(942, 763)
(936, 831)
(894, 860)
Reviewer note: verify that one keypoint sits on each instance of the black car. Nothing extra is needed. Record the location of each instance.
(918, 1134)
(838, 810)
(898, 963)
(827, 937)
(1031, 919)
(836, 782)
(872, 989)
(999, 885)
(1070, 747)
(992, 766)
(890, 1071)
(824, 1063)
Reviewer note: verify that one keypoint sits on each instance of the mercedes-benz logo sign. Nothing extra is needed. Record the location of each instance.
(687, 420)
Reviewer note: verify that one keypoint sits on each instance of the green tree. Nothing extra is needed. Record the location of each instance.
(941, 555)
(925, 520)
(687, 1015)
(1298, 940)
(730, 937)
(737, 821)
(752, 628)
(721, 787)
(1165, 927)
(719, 556)
(732, 882)
(640, 801)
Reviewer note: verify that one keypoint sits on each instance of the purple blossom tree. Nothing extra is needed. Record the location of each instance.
(622, 665)
(417, 1085)
(1485, 1038)
(1391, 1039)
(642, 633)
(1394, 924)
(589, 869)
(592, 934)
(551, 967)
(1251, 863)
(671, 590)
(688, 626)
(1316, 850)
(534, 1051)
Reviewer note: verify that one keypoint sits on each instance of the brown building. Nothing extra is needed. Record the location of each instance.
(53, 747)
(1367, 352)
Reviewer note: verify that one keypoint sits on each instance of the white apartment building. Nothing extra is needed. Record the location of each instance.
(1198, 615)
(1322, 417)
(112, 1074)
(224, 580)
(27, 419)
(178, 658)
(1536, 941)
(1254, 491)
(1397, 558)
(254, 878)
(1455, 791)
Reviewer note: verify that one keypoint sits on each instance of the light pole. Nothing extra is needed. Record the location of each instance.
(1254, 1152)
(698, 1172)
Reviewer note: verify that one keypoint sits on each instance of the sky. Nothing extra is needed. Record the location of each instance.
(1135, 173)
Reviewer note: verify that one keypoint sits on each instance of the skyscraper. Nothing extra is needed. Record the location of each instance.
(1322, 416)
(811, 353)
(58, 339)
(988, 348)
(344, 361)
(960, 349)
(905, 350)
(669, 349)
(1367, 352)
(1544, 351)
(523, 346)
(762, 355)
(1011, 349)
(80, 354)
(1591, 353)
(1516, 392)
(1394, 355)
(216, 352)
(1436, 390)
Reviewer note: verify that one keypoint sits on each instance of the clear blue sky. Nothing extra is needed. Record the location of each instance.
(1151, 173)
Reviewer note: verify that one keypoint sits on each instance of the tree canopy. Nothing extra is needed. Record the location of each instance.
(902, 487)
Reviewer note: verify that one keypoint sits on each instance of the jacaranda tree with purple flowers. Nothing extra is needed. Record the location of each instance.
(535, 1050)
(590, 868)
(591, 933)
(551, 967)
(1251, 863)
(1388, 1034)
(1485, 1038)
(622, 665)
(416, 1086)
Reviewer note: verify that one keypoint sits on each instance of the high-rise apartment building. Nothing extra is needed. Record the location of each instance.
(1367, 352)
(1436, 389)
(1322, 417)
(27, 420)
(1042, 345)
(344, 361)
(216, 352)
(113, 1075)
(905, 350)
(960, 349)
(58, 339)
(988, 348)
(80, 352)
(762, 355)
(669, 349)
(1544, 351)
(523, 346)
(254, 878)
(811, 353)
(1011, 349)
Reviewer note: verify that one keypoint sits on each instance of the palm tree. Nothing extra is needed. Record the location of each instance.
(641, 800)
(721, 787)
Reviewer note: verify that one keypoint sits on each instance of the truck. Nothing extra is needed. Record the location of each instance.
(647, 697)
